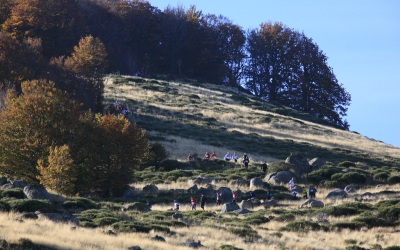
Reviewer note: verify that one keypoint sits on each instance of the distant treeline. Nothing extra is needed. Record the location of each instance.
(74, 42)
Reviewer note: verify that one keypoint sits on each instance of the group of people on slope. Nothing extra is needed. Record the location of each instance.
(309, 194)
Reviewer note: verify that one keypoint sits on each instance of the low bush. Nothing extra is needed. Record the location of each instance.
(390, 213)
(169, 165)
(346, 164)
(382, 176)
(302, 226)
(346, 225)
(247, 233)
(26, 205)
(228, 247)
(395, 179)
(286, 217)
(105, 221)
(4, 207)
(80, 203)
(17, 193)
(278, 166)
(387, 203)
(371, 221)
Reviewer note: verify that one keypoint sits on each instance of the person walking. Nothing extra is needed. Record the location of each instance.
(246, 160)
(264, 167)
(202, 201)
(219, 198)
(193, 203)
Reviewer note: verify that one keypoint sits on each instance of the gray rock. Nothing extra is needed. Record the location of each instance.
(282, 177)
(193, 189)
(18, 184)
(256, 183)
(226, 194)
(268, 204)
(311, 203)
(352, 188)
(229, 207)
(3, 180)
(150, 190)
(36, 192)
(337, 194)
(300, 164)
(137, 206)
(246, 204)
(158, 238)
(192, 244)
(317, 163)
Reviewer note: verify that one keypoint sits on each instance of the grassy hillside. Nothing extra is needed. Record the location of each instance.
(193, 118)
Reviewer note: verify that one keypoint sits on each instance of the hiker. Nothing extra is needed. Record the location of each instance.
(189, 157)
(234, 197)
(294, 194)
(311, 192)
(213, 155)
(264, 167)
(176, 205)
(227, 157)
(251, 195)
(235, 157)
(291, 184)
(202, 201)
(207, 155)
(193, 203)
(219, 198)
(269, 195)
(246, 160)
(149, 205)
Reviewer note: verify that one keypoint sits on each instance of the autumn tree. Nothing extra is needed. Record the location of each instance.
(42, 116)
(55, 22)
(89, 62)
(123, 147)
(59, 173)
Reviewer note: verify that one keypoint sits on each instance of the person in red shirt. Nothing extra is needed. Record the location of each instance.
(193, 203)
(213, 155)
(207, 155)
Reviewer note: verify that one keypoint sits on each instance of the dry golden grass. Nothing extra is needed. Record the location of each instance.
(243, 119)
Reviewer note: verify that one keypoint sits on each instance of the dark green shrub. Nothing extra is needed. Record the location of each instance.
(392, 248)
(249, 234)
(387, 203)
(394, 179)
(382, 176)
(286, 217)
(175, 174)
(350, 178)
(105, 221)
(350, 241)
(80, 203)
(134, 226)
(331, 184)
(346, 164)
(87, 224)
(301, 226)
(355, 247)
(13, 193)
(338, 211)
(325, 172)
(228, 247)
(390, 214)
(347, 225)
(26, 205)
(168, 165)
(4, 207)
(370, 222)
(278, 166)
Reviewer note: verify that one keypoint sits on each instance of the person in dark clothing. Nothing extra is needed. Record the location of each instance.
(246, 160)
(264, 167)
(202, 201)
(219, 198)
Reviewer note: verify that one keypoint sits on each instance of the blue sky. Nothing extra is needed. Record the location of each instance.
(361, 39)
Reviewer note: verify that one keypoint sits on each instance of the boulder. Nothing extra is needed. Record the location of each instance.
(311, 203)
(150, 190)
(256, 202)
(158, 238)
(193, 189)
(352, 188)
(229, 207)
(18, 184)
(337, 194)
(300, 164)
(246, 204)
(271, 203)
(239, 182)
(36, 192)
(281, 177)
(317, 163)
(129, 193)
(192, 244)
(3, 180)
(226, 194)
(256, 183)
(137, 206)
(208, 192)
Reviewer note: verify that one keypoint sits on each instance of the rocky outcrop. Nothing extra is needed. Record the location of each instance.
(36, 192)
(150, 190)
(256, 183)
(311, 203)
(300, 164)
(229, 207)
(337, 194)
(281, 177)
